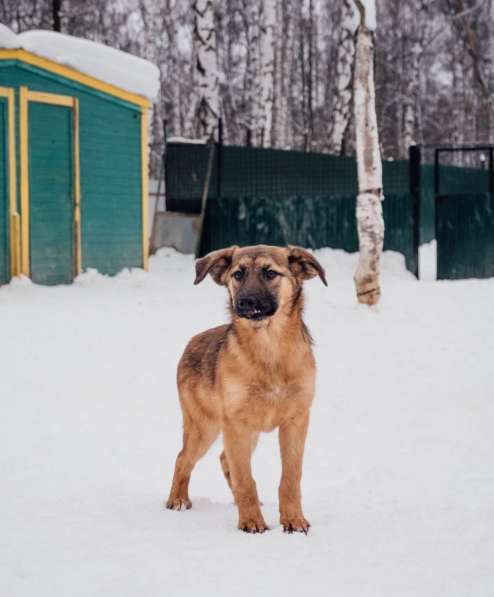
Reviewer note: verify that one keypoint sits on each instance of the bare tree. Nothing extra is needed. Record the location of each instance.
(283, 73)
(207, 107)
(434, 66)
(342, 111)
(266, 80)
(56, 11)
(370, 221)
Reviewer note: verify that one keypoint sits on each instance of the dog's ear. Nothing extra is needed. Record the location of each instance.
(214, 263)
(304, 265)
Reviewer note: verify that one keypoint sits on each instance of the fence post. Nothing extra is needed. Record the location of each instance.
(415, 190)
(219, 158)
(165, 162)
(491, 170)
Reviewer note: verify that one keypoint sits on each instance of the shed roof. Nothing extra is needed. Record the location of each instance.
(95, 65)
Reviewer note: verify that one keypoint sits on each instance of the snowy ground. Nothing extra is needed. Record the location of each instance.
(399, 474)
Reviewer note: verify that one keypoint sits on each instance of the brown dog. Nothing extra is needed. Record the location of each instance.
(252, 375)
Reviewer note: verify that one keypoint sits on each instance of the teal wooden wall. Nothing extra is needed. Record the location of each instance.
(110, 166)
(4, 199)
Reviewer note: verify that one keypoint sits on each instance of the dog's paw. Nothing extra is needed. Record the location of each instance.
(253, 524)
(179, 504)
(295, 524)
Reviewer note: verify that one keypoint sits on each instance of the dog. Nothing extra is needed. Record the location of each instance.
(250, 376)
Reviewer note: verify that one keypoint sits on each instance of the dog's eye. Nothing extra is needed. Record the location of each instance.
(238, 275)
(270, 274)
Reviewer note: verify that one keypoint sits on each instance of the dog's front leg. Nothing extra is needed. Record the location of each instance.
(238, 441)
(292, 440)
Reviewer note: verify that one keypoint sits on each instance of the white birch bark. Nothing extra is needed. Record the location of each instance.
(409, 110)
(266, 86)
(412, 16)
(458, 114)
(370, 221)
(253, 100)
(206, 78)
(284, 69)
(344, 71)
(278, 80)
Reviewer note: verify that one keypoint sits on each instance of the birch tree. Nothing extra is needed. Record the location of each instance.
(370, 223)
(342, 111)
(412, 82)
(206, 80)
(285, 67)
(266, 80)
(253, 100)
(434, 66)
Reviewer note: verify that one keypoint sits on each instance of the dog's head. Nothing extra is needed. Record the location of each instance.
(261, 280)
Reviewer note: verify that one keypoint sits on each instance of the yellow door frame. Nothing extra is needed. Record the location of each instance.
(26, 96)
(13, 215)
(145, 188)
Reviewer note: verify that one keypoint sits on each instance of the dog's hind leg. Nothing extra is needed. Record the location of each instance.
(226, 469)
(198, 437)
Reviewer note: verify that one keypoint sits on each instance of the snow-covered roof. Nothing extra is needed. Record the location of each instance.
(112, 66)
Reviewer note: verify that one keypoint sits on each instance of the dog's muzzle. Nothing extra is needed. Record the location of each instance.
(255, 307)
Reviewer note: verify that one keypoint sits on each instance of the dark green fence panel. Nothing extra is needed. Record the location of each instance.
(453, 180)
(278, 174)
(258, 172)
(458, 180)
(186, 167)
(309, 222)
(465, 236)
(398, 221)
(427, 198)
(313, 222)
(4, 201)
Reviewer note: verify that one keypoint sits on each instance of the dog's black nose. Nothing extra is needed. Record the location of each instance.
(246, 303)
(255, 307)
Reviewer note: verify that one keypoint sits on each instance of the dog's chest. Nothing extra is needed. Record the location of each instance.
(265, 403)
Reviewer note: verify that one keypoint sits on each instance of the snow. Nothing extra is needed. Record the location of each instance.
(398, 477)
(102, 62)
(186, 140)
(427, 261)
(8, 39)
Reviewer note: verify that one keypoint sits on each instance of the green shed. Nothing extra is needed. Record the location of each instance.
(73, 163)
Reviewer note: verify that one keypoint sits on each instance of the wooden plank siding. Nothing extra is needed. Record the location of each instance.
(4, 210)
(111, 181)
(51, 202)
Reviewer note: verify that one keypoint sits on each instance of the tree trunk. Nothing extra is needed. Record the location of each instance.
(284, 67)
(57, 20)
(412, 14)
(206, 73)
(409, 111)
(253, 100)
(266, 91)
(344, 71)
(370, 222)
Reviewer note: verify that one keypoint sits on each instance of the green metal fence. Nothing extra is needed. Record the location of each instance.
(315, 222)
(278, 197)
(465, 235)
(276, 173)
(453, 179)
